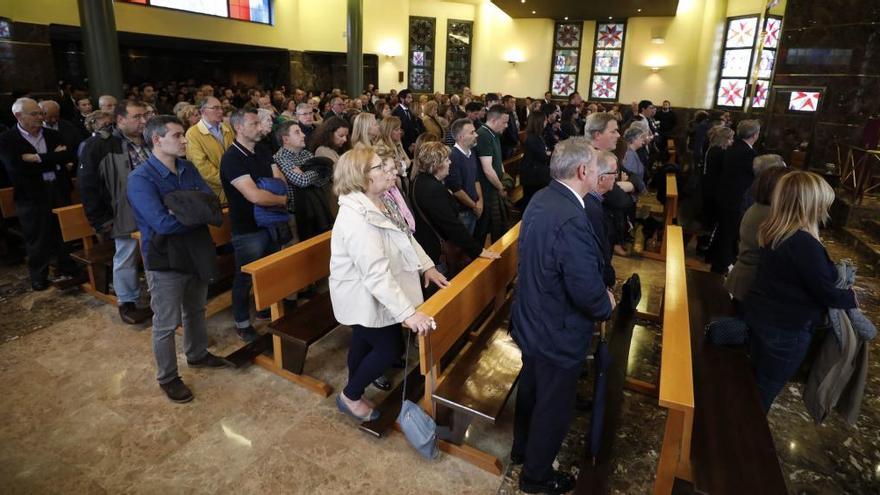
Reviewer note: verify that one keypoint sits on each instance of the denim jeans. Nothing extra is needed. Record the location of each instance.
(469, 219)
(125, 270)
(776, 355)
(176, 297)
(371, 353)
(248, 247)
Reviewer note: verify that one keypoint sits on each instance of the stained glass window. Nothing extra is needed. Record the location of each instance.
(804, 101)
(244, 10)
(567, 39)
(746, 51)
(459, 35)
(607, 61)
(421, 54)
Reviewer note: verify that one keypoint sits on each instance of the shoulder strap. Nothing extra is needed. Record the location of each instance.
(412, 199)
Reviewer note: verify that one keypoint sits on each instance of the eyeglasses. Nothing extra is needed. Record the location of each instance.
(383, 167)
(215, 107)
(609, 173)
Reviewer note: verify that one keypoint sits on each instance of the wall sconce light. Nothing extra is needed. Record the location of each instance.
(658, 40)
(514, 57)
(389, 49)
(656, 69)
(658, 35)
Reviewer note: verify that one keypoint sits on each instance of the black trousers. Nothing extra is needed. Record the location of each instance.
(725, 246)
(42, 236)
(544, 407)
(371, 353)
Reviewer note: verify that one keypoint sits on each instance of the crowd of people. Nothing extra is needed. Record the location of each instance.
(412, 188)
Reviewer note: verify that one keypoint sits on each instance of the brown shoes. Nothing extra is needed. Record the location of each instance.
(133, 315)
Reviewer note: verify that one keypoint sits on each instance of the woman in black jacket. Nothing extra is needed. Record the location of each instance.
(535, 167)
(719, 139)
(436, 210)
(795, 282)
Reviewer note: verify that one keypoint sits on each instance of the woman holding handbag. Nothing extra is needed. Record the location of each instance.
(438, 227)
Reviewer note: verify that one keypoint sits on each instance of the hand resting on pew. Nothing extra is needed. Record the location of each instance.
(420, 323)
(489, 255)
(438, 279)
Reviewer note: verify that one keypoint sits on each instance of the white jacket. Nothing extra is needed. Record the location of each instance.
(374, 266)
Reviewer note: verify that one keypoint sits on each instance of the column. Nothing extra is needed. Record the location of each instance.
(354, 72)
(101, 47)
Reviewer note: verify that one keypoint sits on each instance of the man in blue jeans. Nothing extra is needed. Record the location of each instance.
(175, 295)
(243, 164)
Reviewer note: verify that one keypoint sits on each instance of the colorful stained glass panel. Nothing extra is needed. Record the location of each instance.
(563, 84)
(568, 35)
(565, 61)
(731, 92)
(773, 27)
(609, 36)
(765, 69)
(761, 92)
(604, 87)
(741, 32)
(607, 61)
(804, 101)
(736, 63)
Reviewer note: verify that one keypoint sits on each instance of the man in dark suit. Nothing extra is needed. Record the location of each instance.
(337, 109)
(736, 178)
(510, 138)
(36, 162)
(407, 120)
(559, 296)
(52, 120)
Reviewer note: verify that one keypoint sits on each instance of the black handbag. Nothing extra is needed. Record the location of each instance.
(631, 293)
(727, 331)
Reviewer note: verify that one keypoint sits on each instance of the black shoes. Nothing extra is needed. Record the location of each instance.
(382, 383)
(556, 484)
(40, 286)
(177, 391)
(209, 361)
(248, 334)
(132, 315)
(517, 459)
(263, 315)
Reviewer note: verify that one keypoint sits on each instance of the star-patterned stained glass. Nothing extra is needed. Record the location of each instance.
(736, 63)
(804, 101)
(565, 66)
(604, 87)
(741, 32)
(563, 84)
(773, 27)
(566, 61)
(731, 93)
(607, 61)
(569, 35)
(421, 54)
(610, 35)
(762, 89)
(459, 37)
(765, 67)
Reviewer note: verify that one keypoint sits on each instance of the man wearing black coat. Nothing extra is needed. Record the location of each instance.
(36, 162)
(737, 175)
(70, 133)
(407, 120)
(510, 138)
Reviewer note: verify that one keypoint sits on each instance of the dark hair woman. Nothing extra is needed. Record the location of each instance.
(535, 168)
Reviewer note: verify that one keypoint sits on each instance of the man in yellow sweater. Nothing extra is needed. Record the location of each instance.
(206, 143)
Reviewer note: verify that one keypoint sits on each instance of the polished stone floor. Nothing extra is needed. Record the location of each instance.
(82, 414)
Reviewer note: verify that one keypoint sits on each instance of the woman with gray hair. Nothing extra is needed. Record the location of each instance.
(635, 138)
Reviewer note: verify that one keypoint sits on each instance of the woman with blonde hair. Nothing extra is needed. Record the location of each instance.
(364, 129)
(189, 115)
(795, 282)
(375, 268)
(437, 220)
(389, 144)
(430, 120)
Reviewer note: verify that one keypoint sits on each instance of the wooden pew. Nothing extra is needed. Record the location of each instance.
(511, 168)
(275, 277)
(7, 204)
(670, 214)
(96, 257)
(676, 391)
(469, 363)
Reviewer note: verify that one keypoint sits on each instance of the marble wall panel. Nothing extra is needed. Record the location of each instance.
(850, 49)
(807, 13)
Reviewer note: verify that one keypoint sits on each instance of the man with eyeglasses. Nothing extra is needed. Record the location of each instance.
(305, 118)
(34, 159)
(207, 141)
(106, 160)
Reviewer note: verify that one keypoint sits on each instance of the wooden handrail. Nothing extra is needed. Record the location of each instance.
(676, 369)
(456, 307)
(289, 270)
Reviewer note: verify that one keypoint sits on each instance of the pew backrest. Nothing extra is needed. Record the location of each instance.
(7, 203)
(455, 308)
(73, 222)
(676, 369)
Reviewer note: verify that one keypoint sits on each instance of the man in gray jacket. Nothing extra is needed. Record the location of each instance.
(106, 160)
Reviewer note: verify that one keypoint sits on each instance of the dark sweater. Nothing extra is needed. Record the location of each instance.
(433, 203)
(795, 284)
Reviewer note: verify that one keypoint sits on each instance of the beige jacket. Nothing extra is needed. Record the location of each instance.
(203, 149)
(374, 266)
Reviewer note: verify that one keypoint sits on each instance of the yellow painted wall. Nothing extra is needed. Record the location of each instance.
(496, 38)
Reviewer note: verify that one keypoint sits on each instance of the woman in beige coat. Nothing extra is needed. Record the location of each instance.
(375, 268)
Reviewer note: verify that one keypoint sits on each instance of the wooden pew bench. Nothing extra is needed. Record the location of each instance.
(275, 277)
(96, 257)
(733, 451)
(7, 203)
(469, 363)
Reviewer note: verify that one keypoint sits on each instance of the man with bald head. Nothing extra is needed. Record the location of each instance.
(35, 159)
(52, 120)
(207, 141)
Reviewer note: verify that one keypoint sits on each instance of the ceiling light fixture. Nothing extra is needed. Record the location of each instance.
(566, 18)
(533, 12)
(637, 10)
(609, 17)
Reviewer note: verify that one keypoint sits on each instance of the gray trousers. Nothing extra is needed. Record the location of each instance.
(176, 297)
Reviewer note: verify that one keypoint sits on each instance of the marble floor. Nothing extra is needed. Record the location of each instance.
(83, 415)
